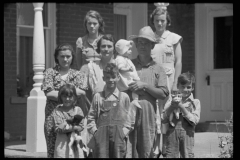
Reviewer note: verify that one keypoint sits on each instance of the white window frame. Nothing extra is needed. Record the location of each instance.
(214, 11)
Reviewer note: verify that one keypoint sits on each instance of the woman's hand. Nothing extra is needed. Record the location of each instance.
(80, 92)
(62, 125)
(97, 100)
(137, 85)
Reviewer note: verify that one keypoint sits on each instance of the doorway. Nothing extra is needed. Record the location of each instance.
(214, 60)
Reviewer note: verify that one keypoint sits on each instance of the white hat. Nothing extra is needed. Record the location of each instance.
(122, 46)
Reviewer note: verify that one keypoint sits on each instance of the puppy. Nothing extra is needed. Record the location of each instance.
(75, 135)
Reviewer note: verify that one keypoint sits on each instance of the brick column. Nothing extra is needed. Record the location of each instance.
(37, 100)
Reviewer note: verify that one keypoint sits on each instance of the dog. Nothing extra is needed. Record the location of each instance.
(176, 98)
(75, 135)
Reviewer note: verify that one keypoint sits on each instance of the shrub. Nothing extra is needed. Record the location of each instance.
(226, 141)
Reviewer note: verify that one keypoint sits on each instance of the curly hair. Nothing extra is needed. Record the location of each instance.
(111, 68)
(96, 15)
(108, 37)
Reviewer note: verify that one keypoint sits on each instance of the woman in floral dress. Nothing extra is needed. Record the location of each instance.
(54, 78)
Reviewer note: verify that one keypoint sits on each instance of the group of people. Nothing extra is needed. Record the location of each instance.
(114, 107)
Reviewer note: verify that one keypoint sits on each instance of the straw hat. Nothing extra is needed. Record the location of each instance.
(91, 54)
(122, 46)
(145, 32)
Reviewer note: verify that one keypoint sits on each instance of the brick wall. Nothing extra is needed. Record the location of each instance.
(183, 23)
(14, 114)
(70, 17)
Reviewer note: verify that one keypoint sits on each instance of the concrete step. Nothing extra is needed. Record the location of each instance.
(214, 127)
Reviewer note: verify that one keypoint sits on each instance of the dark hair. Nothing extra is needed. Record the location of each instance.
(96, 15)
(68, 90)
(108, 37)
(186, 78)
(111, 68)
(160, 11)
(63, 47)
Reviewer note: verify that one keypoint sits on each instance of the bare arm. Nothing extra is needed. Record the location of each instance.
(125, 69)
(177, 65)
(53, 95)
(158, 93)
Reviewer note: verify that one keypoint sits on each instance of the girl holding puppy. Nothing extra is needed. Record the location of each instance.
(65, 111)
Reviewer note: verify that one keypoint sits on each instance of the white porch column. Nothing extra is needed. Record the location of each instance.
(36, 102)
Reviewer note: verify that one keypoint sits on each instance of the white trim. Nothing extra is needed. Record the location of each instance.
(26, 26)
(124, 9)
(198, 8)
(214, 12)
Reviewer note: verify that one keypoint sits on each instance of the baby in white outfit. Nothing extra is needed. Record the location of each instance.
(127, 70)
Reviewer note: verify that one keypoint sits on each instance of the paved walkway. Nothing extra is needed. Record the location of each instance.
(206, 146)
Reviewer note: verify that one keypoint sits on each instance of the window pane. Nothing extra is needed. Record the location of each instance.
(223, 42)
(25, 14)
(24, 60)
(120, 24)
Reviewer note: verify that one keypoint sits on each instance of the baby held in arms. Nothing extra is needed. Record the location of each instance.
(128, 73)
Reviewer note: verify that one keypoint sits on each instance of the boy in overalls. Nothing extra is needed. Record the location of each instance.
(110, 123)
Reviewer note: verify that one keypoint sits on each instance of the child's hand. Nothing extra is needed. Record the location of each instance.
(131, 69)
(78, 128)
(62, 125)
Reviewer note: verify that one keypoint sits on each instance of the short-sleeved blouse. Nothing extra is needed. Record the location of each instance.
(82, 43)
(163, 52)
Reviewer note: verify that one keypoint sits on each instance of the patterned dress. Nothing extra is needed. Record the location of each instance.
(52, 82)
